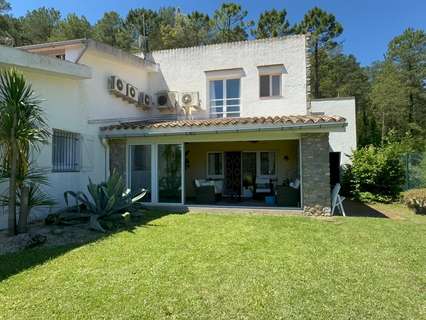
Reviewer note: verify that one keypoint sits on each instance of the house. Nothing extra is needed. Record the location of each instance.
(221, 125)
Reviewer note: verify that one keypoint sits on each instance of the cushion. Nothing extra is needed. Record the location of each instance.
(205, 183)
(295, 184)
(218, 186)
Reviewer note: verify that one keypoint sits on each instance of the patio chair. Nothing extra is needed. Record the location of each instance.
(262, 187)
(337, 200)
(205, 193)
(208, 191)
(287, 196)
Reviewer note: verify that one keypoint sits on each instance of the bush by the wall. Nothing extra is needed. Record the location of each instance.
(376, 174)
(415, 199)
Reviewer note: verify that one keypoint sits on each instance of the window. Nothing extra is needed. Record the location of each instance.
(169, 173)
(215, 164)
(267, 163)
(65, 151)
(224, 98)
(270, 86)
(140, 169)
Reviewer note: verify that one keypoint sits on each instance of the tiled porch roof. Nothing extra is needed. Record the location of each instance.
(289, 121)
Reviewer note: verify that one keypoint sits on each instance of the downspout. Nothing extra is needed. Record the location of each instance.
(105, 144)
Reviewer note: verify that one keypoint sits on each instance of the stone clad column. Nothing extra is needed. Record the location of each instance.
(117, 157)
(315, 173)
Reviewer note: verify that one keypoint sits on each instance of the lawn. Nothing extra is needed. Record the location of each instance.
(228, 266)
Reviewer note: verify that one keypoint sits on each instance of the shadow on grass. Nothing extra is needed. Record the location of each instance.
(358, 209)
(14, 263)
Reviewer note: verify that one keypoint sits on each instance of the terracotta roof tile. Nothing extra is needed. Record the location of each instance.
(283, 120)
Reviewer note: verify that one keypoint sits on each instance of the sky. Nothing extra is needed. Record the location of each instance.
(368, 25)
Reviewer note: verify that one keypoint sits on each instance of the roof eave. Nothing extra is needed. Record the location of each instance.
(55, 44)
(120, 54)
(153, 132)
(33, 61)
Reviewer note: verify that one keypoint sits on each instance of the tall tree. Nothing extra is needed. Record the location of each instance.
(5, 25)
(22, 127)
(229, 23)
(342, 75)
(4, 6)
(408, 53)
(324, 29)
(144, 23)
(72, 27)
(273, 23)
(199, 27)
(110, 29)
(38, 25)
(389, 99)
(187, 31)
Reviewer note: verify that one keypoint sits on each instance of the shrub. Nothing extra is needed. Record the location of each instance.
(376, 174)
(415, 199)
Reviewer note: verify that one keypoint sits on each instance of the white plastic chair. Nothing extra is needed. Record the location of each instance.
(337, 200)
(263, 185)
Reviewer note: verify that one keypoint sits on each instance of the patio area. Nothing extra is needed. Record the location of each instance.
(243, 173)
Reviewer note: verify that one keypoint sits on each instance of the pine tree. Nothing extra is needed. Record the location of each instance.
(229, 23)
(408, 53)
(110, 29)
(324, 29)
(72, 27)
(38, 25)
(271, 24)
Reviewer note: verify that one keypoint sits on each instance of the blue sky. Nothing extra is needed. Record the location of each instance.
(368, 24)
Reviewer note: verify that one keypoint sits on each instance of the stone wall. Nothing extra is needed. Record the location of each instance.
(117, 156)
(315, 173)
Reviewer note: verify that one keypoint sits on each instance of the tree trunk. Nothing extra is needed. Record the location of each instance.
(411, 107)
(24, 211)
(317, 76)
(383, 127)
(12, 180)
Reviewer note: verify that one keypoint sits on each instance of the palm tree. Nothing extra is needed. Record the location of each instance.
(22, 127)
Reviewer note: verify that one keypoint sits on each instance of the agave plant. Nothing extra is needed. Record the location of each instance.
(107, 199)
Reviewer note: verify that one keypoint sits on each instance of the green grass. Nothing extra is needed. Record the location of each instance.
(201, 266)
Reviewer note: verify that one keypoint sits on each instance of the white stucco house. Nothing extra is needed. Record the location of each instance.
(219, 125)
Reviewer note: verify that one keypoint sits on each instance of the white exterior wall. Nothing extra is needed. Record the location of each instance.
(184, 70)
(99, 102)
(69, 104)
(72, 53)
(80, 105)
(64, 109)
(344, 142)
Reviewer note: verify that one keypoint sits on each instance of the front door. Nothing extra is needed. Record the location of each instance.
(233, 174)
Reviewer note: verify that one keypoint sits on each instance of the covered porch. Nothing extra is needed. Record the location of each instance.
(280, 162)
(243, 173)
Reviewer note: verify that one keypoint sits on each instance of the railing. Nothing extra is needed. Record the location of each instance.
(219, 109)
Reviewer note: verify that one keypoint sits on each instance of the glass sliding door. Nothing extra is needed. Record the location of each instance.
(140, 169)
(170, 173)
(249, 173)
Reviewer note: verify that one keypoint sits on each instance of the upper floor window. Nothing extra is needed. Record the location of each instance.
(270, 85)
(225, 98)
(65, 151)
